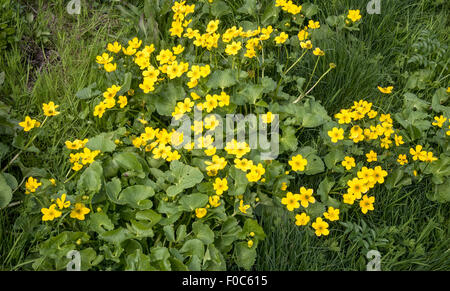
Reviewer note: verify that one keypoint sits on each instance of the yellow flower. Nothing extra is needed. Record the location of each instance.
(306, 44)
(302, 219)
(220, 185)
(387, 90)
(178, 49)
(357, 187)
(31, 185)
(354, 15)
(114, 47)
(214, 201)
(440, 120)
(430, 158)
(344, 116)
(243, 164)
(77, 166)
(313, 24)
(233, 48)
(379, 174)
(28, 124)
(402, 160)
(268, 117)
(366, 204)
(110, 67)
(250, 243)
(306, 197)
(53, 181)
(371, 156)
(321, 227)
(318, 52)
(62, 203)
(281, 38)
(212, 26)
(348, 163)
(123, 101)
(79, 211)
(104, 59)
(283, 186)
(50, 213)
(100, 109)
(291, 201)
(336, 134)
(135, 43)
(332, 214)
(50, 109)
(243, 208)
(298, 163)
(302, 35)
(398, 140)
(417, 153)
(200, 212)
(129, 51)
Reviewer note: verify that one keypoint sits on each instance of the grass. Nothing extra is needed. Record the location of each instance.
(410, 232)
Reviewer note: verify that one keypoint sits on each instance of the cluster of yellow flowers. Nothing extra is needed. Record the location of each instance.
(49, 110)
(288, 6)
(304, 199)
(439, 122)
(161, 146)
(109, 101)
(85, 157)
(31, 185)
(78, 211)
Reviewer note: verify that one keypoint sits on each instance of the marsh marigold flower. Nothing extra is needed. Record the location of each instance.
(298, 163)
(321, 227)
(291, 201)
(28, 124)
(50, 213)
(301, 219)
(79, 211)
(50, 109)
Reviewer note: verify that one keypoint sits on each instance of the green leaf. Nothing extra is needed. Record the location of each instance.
(315, 164)
(128, 161)
(136, 196)
(166, 102)
(203, 232)
(315, 114)
(138, 262)
(113, 189)
(252, 225)
(5, 192)
(245, 256)
(324, 188)
(397, 179)
(169, 232)
(222, 79)
(309, 9)
(249, 7)
(88, 92)
(116, 236)
(288, 139)
(126, 84)
(219, 8)
(249, 94)
(100, 222)
(149, 215)
(193, 201)
(90, 180)
(442, 192)
(185, 176)
(102, 142)
(332, 158)
(193, 247)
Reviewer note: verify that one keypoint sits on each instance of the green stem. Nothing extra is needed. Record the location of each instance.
(318, 81)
